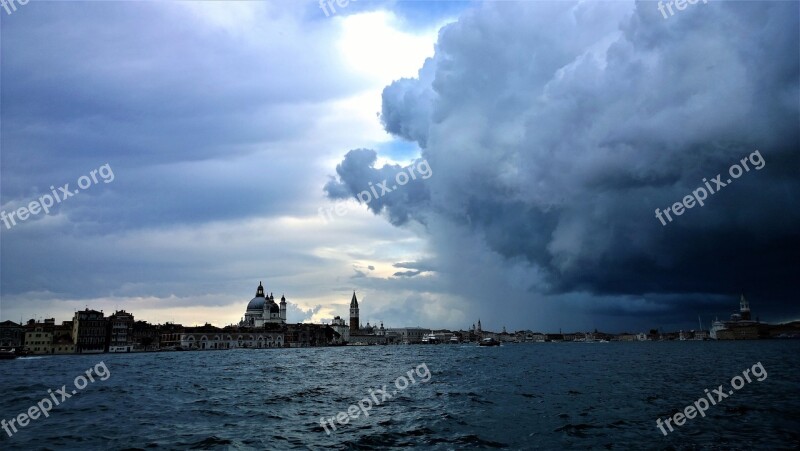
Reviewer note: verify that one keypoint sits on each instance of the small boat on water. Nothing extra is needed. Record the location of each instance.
(7, 354)
(489, 342)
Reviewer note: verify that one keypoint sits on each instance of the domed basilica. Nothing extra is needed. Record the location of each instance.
(262, 310)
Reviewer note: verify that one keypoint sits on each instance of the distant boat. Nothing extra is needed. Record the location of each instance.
(489, 342)
(7, 354)
(430, 339)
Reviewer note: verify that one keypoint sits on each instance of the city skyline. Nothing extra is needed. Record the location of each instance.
(262, 293)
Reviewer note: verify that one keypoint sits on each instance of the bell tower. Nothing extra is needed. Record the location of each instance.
(744, 308)
(353, 314)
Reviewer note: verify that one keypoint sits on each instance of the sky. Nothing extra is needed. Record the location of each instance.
(234, 143)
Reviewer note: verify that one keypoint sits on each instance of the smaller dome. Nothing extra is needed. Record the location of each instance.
(273, 308)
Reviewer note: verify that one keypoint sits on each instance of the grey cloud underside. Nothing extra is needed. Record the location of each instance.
(555, 130)
(413, 269)
(410, 273)
(421, 266)
(357, 174)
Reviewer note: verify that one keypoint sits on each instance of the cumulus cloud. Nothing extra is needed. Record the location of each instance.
(556, 130)
(379, 188)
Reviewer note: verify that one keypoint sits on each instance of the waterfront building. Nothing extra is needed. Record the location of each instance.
(310, 335)
(392, 337)
(89, 331)
(12, 335)
(505, 337)
(740, 331)
(39, 337)
(262, 310)
(119, 337)
(170, 335)
(203, 337)
(338, 324)
(409, 335)
(62, 339)
(211, 337)
(536, 337)
(368, 339)
(146, 336)
(740, 326)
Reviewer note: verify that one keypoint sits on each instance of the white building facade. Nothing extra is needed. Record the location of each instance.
(224, 340)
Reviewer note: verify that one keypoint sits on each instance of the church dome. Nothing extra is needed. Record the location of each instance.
(257, 303)
(273, 308)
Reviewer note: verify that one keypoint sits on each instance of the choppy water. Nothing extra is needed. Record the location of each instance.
(523, 396)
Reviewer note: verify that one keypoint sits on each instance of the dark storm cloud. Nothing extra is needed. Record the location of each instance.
(407, 104)
(556, 129)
